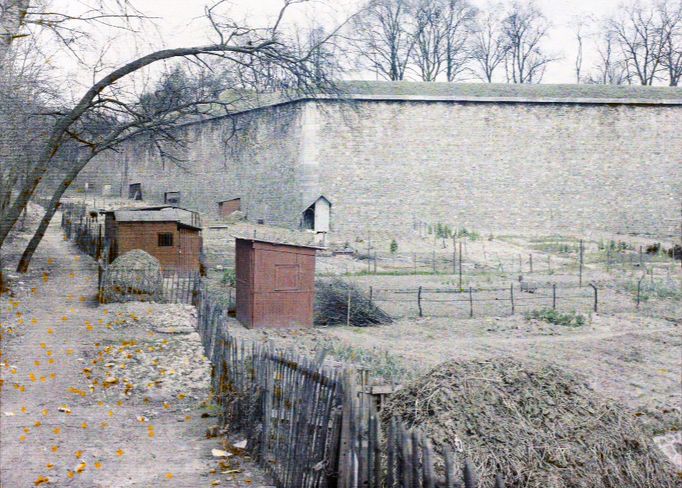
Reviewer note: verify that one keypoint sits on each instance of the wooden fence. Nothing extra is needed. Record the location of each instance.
(311, 427)
(168, 286)
(85, 231)
(147, 285)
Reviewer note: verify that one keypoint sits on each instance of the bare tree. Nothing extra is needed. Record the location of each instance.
(489, 47)
(579, 39)
(104, 117)
(441, 31)
(611, 69)
(385, 37)
(670, 15)
(637, 31)
(525, 28)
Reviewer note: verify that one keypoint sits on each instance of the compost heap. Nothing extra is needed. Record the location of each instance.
(541, 427)
(331, 305)
(135, 275)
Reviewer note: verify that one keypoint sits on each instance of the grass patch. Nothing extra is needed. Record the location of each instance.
(661, 289)
(380, 364)
(565, 319)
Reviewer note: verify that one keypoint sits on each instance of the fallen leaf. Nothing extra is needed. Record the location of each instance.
(219, 453)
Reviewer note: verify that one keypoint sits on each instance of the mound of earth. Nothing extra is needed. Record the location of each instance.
(541, 427)
(135, 275)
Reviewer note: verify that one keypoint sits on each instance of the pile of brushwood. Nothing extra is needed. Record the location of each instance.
(540, 426)
(331, 305)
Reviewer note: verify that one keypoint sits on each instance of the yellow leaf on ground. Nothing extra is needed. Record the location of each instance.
(41, 480)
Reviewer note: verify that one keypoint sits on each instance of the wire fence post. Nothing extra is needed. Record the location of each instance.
(553, 296)
(370, 295)
(433, 261)
(641, 257)
(375, 262)
(471, 303)
(608, 258)
(595, 296)
(639, 291)
(530, 259)
(454, 254)
(549, 263)
(419, 301)
(460, 265)
(580, 271)
(511, 294)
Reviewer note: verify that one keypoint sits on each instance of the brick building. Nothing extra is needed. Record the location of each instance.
(170, 234)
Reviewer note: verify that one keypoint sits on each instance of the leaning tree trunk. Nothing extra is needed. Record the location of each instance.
(51, 209)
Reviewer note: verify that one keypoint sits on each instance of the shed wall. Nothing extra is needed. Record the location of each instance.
(144, 236)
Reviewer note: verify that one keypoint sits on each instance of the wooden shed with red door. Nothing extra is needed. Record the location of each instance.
(170, 234)
(275, 283)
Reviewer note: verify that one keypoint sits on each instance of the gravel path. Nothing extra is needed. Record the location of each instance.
(72, 416)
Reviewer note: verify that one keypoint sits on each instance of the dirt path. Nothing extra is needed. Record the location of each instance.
(57, 423)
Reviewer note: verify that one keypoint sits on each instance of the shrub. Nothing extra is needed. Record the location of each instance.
(394, 246)
(567, 319)
(229, 278)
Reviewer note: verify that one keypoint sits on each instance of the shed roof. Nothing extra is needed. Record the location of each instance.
(277, 243)
(157, 214)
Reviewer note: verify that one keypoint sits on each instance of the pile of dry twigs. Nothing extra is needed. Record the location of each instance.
(540, 426)
(332, 305)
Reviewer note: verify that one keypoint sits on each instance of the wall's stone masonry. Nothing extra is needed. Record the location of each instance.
(493, 167)
(503, 167)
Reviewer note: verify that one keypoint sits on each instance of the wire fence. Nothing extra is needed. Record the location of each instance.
(475, 302)
(310, 426)
(559, 260)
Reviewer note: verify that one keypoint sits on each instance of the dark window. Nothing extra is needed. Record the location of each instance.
(166, 239)
(171, 198)
(135, 191)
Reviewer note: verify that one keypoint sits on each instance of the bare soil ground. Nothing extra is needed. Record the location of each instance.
(102, 396)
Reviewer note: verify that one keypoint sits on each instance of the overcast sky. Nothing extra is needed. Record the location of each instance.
(180, 22)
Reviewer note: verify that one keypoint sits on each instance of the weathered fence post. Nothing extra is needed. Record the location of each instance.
(549, 263)
(469, 476)
(375, 262)
(530, 260)
(454, 254)
(433, 261)
(511, 294)
(641, 257)
(419, 300)
(595, 296)
(580, 270)
(471, 303)
(553, 296)
(639, 289)
(449, 469)
(460, 265)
